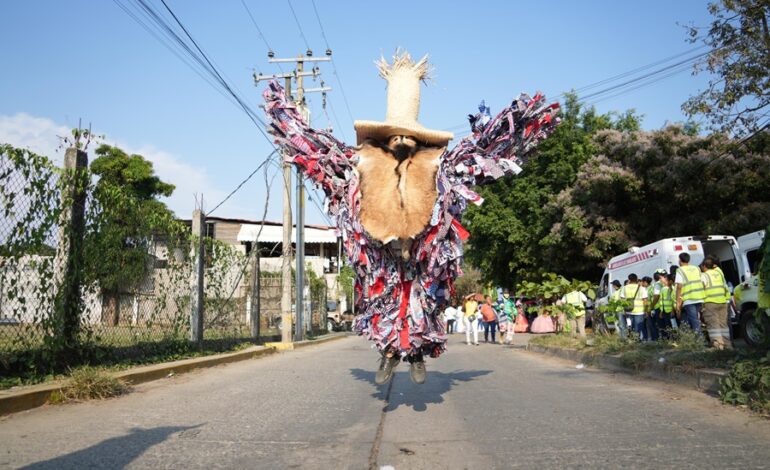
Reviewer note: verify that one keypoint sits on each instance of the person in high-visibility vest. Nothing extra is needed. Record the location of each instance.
(715, 315)
(578, 301)
(689, 293)
(620, 314)
(658, 324)
(666, 305)
(637, 295)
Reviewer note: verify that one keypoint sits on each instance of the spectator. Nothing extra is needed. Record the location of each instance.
(656, 320)
(578, 301)
(665, 325)
(469, 318)
(637, 295)
(689, 293)
(450, 314)
(715, 316)
(507, 317)
(490, 319)
(621, 324)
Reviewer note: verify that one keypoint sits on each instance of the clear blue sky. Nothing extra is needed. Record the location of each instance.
(84, 59)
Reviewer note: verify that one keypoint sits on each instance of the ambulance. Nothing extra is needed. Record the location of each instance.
(747, 293)
(663, 254)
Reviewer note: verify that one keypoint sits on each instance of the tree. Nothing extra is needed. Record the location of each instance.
(644, 186)
(737, 97)
(508, 229)
(128, 218)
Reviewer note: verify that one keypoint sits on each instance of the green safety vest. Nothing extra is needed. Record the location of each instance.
(573, 298)
(716, 292)
(638, 303)
(616, 296)
(666, 299)
(692, 288)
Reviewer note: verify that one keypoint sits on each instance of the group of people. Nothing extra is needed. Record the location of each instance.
(689, 296)
(478, 312)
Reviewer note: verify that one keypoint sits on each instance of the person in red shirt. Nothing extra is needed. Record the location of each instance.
(490, 319)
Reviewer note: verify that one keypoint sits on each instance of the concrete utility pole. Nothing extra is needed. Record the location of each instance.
(298, 75)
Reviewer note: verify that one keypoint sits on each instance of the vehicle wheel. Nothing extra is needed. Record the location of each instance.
(330, 326)
(755, 333)
(279, 323)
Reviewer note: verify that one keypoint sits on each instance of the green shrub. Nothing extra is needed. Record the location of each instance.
(748, 384)
(89, 383)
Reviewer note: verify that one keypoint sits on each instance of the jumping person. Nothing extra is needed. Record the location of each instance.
(398, 198)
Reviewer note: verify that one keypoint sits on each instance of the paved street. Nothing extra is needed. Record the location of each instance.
(482, 407)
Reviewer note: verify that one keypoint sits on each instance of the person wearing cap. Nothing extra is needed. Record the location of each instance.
(689, 293)
(666, 304)
(715, 314)
(398, 197)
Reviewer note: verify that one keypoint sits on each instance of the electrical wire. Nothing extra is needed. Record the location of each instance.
(334, 66)
(259, 32)
(301, 33)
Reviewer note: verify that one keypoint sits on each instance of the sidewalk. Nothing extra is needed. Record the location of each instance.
(24, 398)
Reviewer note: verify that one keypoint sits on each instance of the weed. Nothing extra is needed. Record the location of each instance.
(89, 383)
(748, 384)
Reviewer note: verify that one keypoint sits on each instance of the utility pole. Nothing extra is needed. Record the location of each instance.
(298, 75)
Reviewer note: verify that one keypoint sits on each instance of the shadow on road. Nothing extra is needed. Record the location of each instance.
(406, 393)
(117, 452)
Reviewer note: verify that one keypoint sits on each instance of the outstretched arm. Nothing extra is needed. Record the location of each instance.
(322, 157)
(500, 146)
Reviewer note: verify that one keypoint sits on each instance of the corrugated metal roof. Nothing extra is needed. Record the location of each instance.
(274, 234)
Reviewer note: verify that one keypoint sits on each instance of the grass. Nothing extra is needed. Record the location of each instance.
(685, 350)
(89, 383)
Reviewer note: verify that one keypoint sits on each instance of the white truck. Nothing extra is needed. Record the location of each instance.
(662, 254)
(755, 333)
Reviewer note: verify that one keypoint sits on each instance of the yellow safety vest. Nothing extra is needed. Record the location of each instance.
(638, 303)
(692, 288)
(573, 298)
(666, 299)
(716, 292)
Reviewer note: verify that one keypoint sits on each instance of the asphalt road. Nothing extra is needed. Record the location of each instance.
(482, 407)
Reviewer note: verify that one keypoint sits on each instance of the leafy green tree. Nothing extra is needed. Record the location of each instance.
(508, 229)
(738, 93)
(129, 217)
(644, 186)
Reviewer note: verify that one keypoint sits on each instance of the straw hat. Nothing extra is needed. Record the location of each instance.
(403, 77)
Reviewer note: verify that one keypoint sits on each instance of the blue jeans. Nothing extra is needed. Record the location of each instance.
(653, 323)
(621, 324)
(637, 325)
(490, 325)
(691, 316)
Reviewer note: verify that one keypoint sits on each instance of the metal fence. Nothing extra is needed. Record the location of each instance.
(128, 321)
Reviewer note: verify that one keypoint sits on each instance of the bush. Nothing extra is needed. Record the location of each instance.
(89, 383)
(748, 384)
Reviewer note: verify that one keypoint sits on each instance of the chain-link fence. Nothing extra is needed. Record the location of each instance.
(131, 301)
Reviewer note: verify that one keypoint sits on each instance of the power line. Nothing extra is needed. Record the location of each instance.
(626, 85)
(301, 33)
(334, 67)
(240, 185)
(259, 32)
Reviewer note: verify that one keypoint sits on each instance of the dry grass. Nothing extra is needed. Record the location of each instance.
(90, 383)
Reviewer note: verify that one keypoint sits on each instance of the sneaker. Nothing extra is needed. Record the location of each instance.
(417, 371)
(385, 372)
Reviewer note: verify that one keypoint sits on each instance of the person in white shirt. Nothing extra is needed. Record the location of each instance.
(450, 315)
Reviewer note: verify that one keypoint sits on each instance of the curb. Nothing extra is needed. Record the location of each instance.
(705, 380)
(26, 398)
(279, 346)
